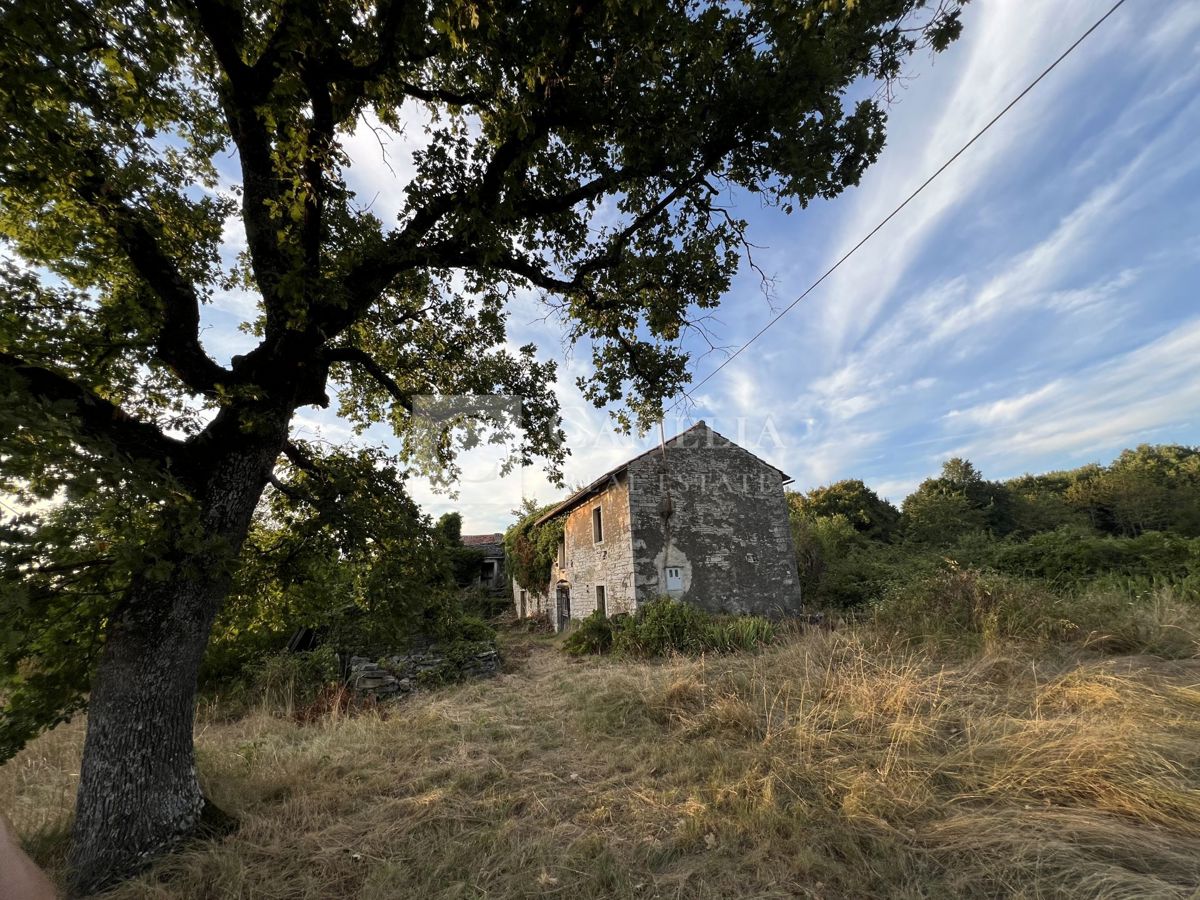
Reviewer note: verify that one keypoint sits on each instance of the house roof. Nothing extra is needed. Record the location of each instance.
(482, 540)
(593, 488)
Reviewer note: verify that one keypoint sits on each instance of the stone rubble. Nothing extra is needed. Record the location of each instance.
(393, 677)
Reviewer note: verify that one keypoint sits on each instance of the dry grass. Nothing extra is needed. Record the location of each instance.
(825, 767)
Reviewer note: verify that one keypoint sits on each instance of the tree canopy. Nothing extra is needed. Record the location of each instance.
(581, 151)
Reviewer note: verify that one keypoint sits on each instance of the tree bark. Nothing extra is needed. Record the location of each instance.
(138, 790)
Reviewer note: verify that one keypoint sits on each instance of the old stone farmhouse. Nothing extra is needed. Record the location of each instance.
(698, 518)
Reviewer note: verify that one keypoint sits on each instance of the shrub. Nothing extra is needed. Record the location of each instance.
(742, 633)
(594, 635)
(537, 623)
(288, 681)
(1071, 557)
(664, 627)
(969, 603)
(976, 606)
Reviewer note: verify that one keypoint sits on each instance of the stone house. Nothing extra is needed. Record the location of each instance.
(491, 566)
(699, 519)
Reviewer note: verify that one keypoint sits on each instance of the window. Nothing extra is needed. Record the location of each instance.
(674, 578)
(597, 526)
(601, 601)
(523, 598)
(562, 554)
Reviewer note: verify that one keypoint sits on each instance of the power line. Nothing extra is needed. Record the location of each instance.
(942, 168)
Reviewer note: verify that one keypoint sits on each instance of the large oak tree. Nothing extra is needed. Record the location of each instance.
(583, 149)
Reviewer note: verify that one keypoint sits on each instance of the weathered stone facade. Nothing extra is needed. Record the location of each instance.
(727, 535)
(701, 519)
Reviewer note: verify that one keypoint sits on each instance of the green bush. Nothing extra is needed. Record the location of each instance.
(593, 635)
(970, 603)
(287, 681)
(664, 627)
(1069, 558)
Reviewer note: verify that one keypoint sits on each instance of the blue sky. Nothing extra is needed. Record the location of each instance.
(1037, 307)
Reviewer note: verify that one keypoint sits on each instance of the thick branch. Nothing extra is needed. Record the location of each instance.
(365, 361)
(102, 425)
(242, 90)
(372, 275)
(300, 459)
(178, 342)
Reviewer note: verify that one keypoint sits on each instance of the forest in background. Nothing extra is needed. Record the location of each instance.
(1122, 532)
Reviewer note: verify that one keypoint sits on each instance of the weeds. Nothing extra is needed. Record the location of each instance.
(831, 764)
(667, 627)
(966, 607)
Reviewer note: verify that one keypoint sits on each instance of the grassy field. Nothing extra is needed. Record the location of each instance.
(827, 766)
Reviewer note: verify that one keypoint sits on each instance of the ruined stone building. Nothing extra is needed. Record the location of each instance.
(699, 519)
(490, 548)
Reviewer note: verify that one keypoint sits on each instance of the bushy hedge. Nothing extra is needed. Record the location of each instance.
(664, 627)
(973, 607)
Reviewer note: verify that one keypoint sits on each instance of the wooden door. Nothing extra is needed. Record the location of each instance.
(564, 605)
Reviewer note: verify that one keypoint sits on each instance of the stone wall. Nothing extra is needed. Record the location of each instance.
(607, 563)
(728, 532)
(535, 604)
(398, 675)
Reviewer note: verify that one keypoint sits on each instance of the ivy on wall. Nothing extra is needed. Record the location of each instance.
(530, 550)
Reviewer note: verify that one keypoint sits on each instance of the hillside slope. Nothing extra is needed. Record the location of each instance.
(824, 767)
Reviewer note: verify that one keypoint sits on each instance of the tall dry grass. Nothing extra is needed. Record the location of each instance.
(831, 765)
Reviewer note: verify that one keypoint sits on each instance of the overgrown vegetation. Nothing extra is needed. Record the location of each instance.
(666, 627)
(357, 562)
(530, 549)
(1130, 527)
(833, 764)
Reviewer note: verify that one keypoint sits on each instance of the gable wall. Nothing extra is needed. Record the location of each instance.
(728, 532)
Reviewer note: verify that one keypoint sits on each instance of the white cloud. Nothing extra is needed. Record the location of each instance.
(1102, 407)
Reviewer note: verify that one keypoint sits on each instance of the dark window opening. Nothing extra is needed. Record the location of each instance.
(597, 526)
(601, 601)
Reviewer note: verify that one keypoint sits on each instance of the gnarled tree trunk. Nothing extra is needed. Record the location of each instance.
(138, 790)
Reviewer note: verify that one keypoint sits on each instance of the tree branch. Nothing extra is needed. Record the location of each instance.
(371, 276)
(365, 361)
(242, 91)
(102, 425)
(178, 340)
(300, 459)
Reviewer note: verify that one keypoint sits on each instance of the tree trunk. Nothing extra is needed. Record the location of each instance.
(138, 791)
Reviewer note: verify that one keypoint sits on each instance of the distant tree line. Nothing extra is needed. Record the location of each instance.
(1137, 518)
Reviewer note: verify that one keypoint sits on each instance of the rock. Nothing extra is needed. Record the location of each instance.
(401, 673)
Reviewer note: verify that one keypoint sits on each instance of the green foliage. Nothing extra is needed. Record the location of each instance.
(1069, 558)
(346, 553)
(530, 549)
(1150, 488)
(1068, 530)
(864, 510)
(965, 602)
(63, 571)
(591, 636)
(464, 561)
(291, 680)
(665, 627)
(957, 501)
(974, 607)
